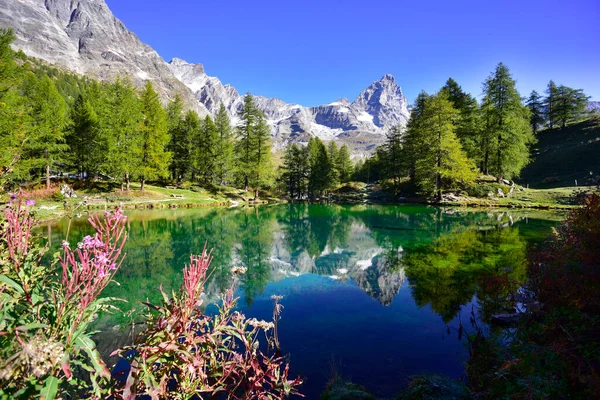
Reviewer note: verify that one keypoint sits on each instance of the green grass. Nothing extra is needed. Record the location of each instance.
(565, 155)
(105, 195)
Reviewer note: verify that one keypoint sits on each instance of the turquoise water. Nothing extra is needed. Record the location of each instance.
(372, 293)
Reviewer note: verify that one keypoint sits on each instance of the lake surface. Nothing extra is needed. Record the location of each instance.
(375, 293)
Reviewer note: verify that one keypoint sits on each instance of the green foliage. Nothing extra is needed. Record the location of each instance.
(435, 387)
(508, 135)
(253, 149)
(121, 123)
(223, 163)
(85, 140)
(468, 126)
(440, 162)
(155, 158)
(536, 109)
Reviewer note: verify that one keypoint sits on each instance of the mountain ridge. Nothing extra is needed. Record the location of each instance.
(85, 37)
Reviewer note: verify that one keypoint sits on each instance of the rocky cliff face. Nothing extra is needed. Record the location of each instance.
(85, 37)
(361, 124)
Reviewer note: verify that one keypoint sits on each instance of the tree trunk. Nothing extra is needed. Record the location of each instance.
(48, 176)
(256, 194)
(127, 179)
(143, 183)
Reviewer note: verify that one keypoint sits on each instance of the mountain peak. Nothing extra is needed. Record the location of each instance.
(178, 61)
(388, 78)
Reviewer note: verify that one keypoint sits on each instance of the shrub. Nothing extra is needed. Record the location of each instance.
(45, 341)
(553, 353)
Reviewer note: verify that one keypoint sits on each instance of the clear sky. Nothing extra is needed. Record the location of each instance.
(316, 51)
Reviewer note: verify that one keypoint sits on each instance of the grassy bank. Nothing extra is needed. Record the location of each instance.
(50, 204)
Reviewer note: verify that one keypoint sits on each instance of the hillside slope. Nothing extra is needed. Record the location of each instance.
(565, 155)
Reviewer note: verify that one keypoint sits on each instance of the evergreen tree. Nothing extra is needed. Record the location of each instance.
(294, 172)
(121, 122)
(507, 125)
(468, 129)
(343, 164)
(334, 173)
(155, 158)
(262, 172)
(536, 108)
(440, 162)
(253, 148)
(47, 146)
(411, 140)
(179, 145)
(191, 130)
(569, 105)
(14, 114)
(84, 138)
(244, 145)
(320, 168)
(224, 150)
(206, 151)
(550, 104)
(393, 159)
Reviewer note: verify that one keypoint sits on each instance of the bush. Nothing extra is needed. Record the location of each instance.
(46, 348)
(553, 353)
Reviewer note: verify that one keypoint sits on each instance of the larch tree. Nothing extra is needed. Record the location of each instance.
(84, 138)
(536, 109)
(206, 151)
(550, 101)
(440, 162)
(121, 123)
(224, 148)
(262, 172)
(343, 164)
(245, 140)
(393, 156)
(507, 124)
(179, 145)
(468, 129)
(155, 158)
(14, 115)
(49, 113)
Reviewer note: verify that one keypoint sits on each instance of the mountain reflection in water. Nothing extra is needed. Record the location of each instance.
(422, 267)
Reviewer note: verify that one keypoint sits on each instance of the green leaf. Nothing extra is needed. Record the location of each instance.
(5, 279)
(50, 389)
(88, 345)
(28, 327)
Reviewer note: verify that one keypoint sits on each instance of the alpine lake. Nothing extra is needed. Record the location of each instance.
(374, 294)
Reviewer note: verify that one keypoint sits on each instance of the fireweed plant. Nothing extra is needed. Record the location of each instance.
(46, 346)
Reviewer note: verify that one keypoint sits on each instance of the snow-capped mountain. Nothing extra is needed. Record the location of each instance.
(85, 37)
(362, 123)
(593, 106)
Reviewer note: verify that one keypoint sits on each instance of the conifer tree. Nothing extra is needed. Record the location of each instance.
(191, 129)
(507, 125)
(550, 104)
(206, 151)
(14, 115)
(224, 149)
(84, 138)
(468, 129)
(536, 108)
(294, 172)
(155, 158)
(411, 140)
(569, 105)
(253, 148)
(394, 163)
(245, 144)
(262, 173)
(121, 122)
(179, 146)
(334, 173)
(49, 113)
(344, 164)
(440, 162)
(320, 168)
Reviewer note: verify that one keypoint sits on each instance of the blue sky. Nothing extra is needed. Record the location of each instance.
(315, 51)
